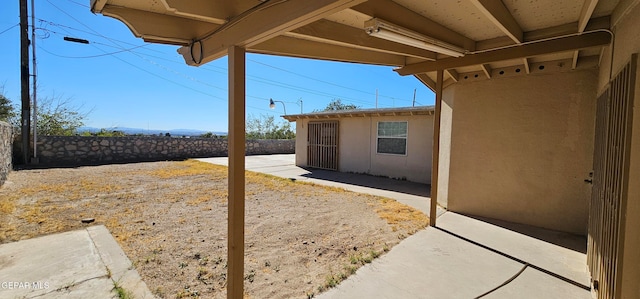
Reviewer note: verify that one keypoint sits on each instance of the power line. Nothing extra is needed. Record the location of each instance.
(90, 56)
(220, 70)
(3, 31)
(322, 81)
(114, 41)
(78, 3)
(264, 81)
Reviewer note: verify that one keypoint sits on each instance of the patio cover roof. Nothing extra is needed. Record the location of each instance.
(488, 36)
(493, 34)
(400, 111)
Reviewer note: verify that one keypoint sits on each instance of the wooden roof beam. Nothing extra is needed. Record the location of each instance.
(266, 21)
(486, 68)
(452, 74)
(544, 33)
(212, 11)
(296, 47)
(501, 17)
(527, 65)
(564, 44)
(586, 13)
(397, 14)
(428, 82)
(337, 33)
(156, 27)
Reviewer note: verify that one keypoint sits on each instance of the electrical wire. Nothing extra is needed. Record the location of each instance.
(323, 81)
(279, 84)
(90, 56)
(3, 31)
(221, 70)
(78, 3)
(264, 81)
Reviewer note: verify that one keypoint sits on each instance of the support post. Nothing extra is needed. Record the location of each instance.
(24, 81)
(435, 158)
(235, 224)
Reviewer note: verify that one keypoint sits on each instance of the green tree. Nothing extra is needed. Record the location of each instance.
(58, 117)
(337, 104)
(266, 127)
(7, 112)
(208, 135)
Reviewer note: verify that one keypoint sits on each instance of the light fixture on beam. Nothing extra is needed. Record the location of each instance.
(385, 30)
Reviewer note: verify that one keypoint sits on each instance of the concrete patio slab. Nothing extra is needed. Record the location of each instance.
(533, 284)
(429, 264)
(548, 251)
(78, 264)
(434, 263)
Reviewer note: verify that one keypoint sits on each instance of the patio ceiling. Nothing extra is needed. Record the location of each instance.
(494, 35)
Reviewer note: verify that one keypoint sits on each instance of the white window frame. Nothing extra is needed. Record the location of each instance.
(406, 138)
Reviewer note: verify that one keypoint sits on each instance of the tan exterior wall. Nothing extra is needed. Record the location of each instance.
(627, 41)
(357, 147)
(444, 160)
(301, 142)
(521, 148)
(355, 151)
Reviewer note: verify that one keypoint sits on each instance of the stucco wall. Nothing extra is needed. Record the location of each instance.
(444, 160)
(521, 148)
(72, 150)
(6, 138)
(627, 41)
(357, 147)
(415, 166)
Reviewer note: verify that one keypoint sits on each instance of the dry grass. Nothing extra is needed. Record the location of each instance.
(170, 218)
(399, 215)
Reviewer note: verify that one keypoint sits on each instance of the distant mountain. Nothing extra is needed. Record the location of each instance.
(133, 131)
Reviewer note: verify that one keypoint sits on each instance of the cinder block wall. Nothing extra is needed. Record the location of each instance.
(82, 150)
(6, 137)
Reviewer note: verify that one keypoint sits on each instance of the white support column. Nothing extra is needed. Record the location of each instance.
(235, 254)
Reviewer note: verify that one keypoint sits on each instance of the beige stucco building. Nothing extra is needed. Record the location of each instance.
(390, 142)
(536, 118)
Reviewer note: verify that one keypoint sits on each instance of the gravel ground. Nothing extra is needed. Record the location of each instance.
(171, 220)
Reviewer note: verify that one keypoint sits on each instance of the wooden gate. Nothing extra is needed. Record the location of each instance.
(610, 181)
(322, 145)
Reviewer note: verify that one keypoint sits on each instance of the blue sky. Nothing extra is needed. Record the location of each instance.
(125, 82)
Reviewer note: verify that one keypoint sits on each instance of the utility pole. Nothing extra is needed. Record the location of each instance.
(376, 98)
(414, 97)
(34, 159)
(24, 80)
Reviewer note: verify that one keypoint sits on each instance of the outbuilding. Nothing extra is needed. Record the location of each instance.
(389, 142)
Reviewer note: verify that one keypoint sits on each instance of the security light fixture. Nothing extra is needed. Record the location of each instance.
(272, 105)
(385, 30)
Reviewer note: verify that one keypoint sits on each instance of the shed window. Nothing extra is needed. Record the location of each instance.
(392, 137)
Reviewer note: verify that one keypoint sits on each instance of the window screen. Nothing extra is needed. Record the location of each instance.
(392, 137)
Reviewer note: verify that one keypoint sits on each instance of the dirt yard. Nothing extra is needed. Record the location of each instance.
(171, 220)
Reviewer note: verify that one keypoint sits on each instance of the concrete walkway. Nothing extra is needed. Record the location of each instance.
(446, 262)
(463, 257)
(85, 263)
(409, 193)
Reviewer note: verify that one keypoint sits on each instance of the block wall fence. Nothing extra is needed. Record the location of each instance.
(89, 150)
(6, 135)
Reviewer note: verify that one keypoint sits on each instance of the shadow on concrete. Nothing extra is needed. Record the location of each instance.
(369, 181)
(570, 241)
